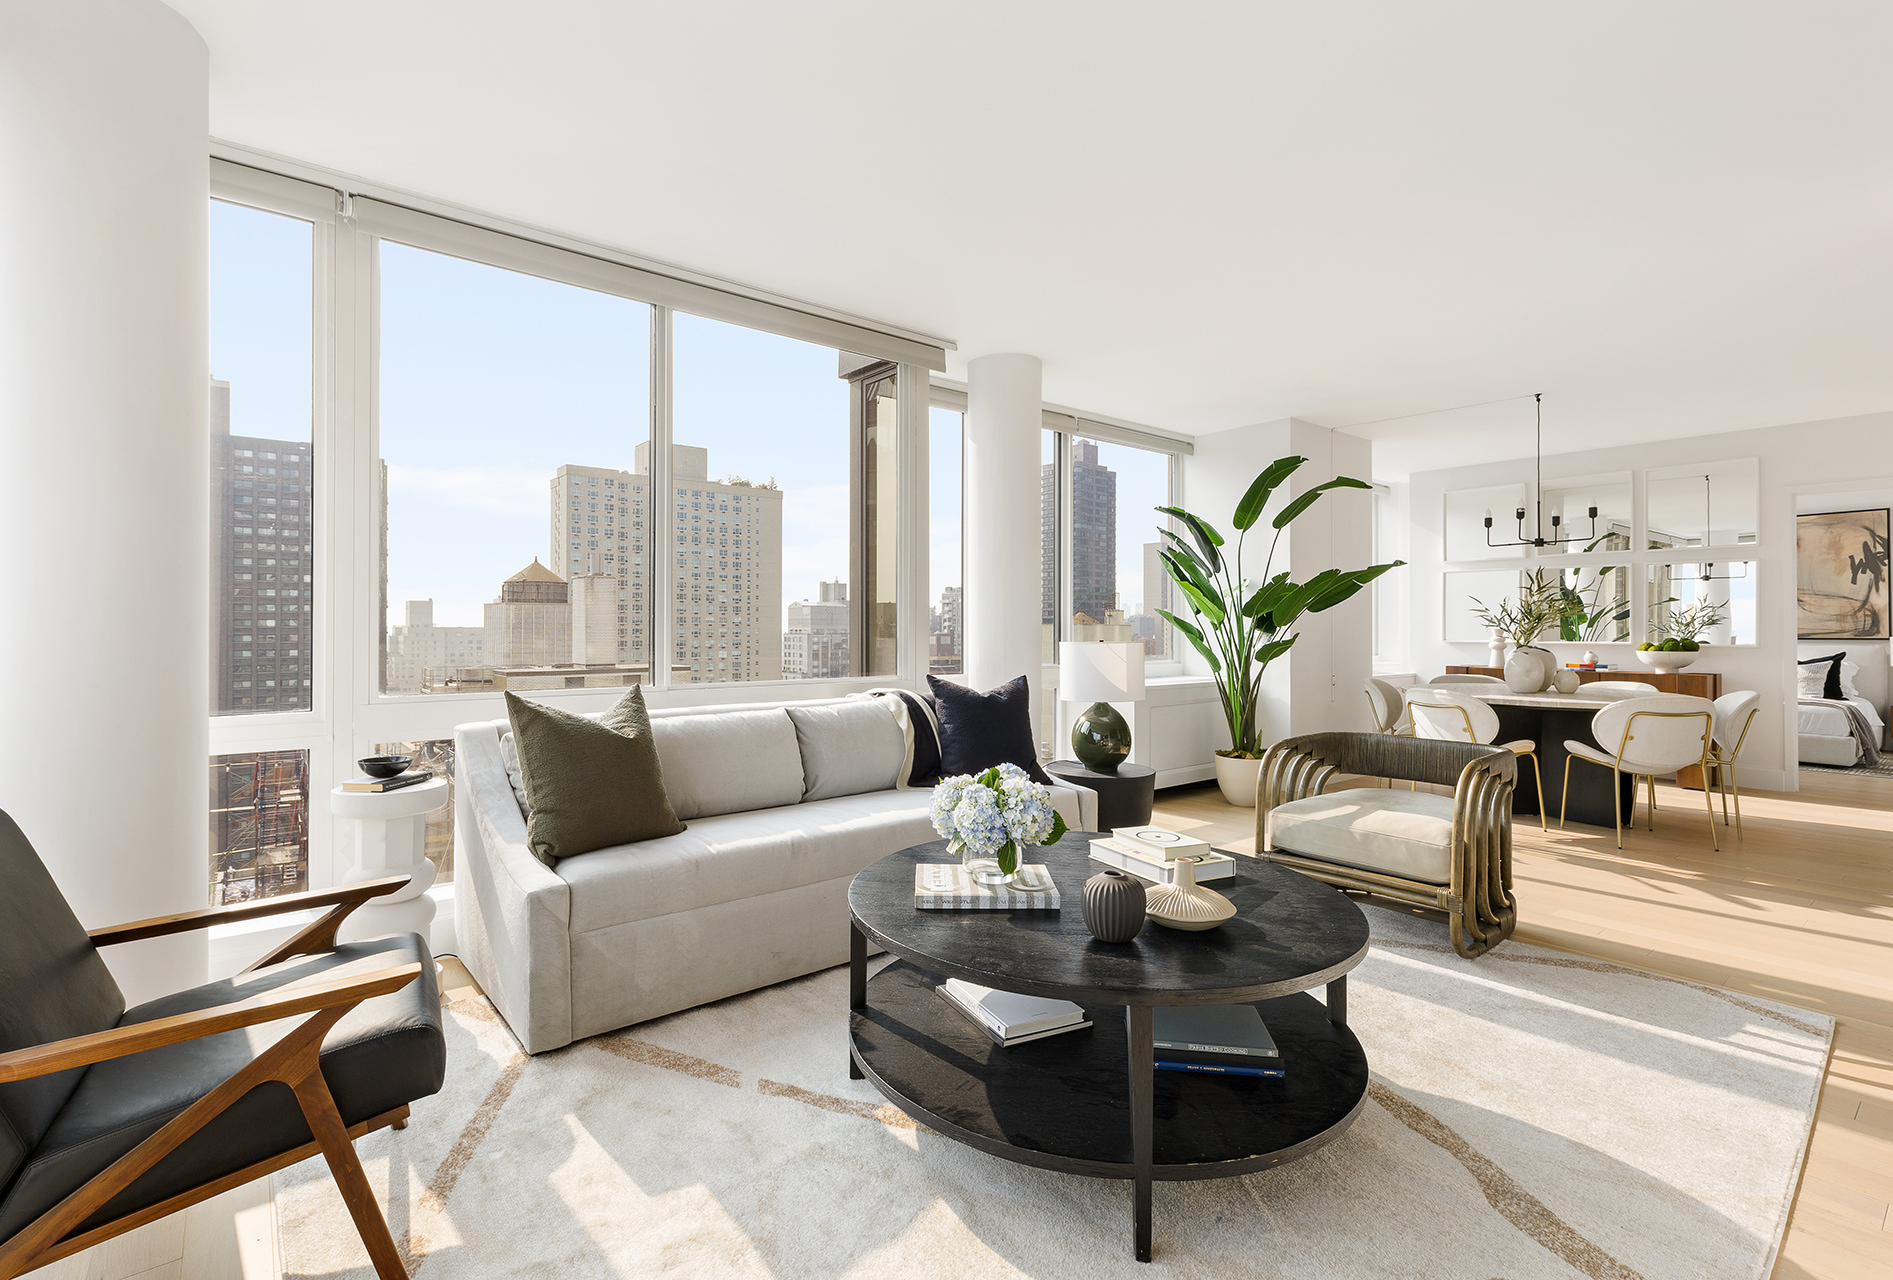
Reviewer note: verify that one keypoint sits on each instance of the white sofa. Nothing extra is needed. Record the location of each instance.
(754, 892)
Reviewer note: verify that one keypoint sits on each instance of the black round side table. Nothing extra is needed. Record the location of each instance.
(1124, 798)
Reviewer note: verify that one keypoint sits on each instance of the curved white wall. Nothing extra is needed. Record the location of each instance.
(1004, 425)
(104, 122)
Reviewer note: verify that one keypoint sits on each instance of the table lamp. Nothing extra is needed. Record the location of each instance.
(1101, 672)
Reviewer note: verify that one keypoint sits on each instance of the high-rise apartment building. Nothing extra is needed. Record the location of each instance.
(946, 648)
(262, 568)
(815, 640)
(1093, 535)
(727, 550)
(1147, 624)
(422, 656)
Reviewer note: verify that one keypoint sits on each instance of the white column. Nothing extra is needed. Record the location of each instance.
(1004, 400)
(104, 121)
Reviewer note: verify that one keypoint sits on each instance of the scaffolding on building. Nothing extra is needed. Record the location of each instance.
(259, 825)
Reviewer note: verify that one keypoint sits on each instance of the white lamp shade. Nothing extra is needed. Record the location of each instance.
(1101, 670)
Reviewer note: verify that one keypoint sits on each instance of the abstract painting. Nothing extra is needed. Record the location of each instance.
(1841, 575)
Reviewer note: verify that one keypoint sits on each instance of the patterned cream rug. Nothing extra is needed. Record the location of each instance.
(1532, 1114)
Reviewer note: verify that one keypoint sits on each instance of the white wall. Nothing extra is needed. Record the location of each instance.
(1317, 684)
(104, 544)
(1838, 455)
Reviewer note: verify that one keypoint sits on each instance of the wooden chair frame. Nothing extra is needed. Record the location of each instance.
(1537, 771)
(1477, 898)
(294, 1061)
(1616, 793)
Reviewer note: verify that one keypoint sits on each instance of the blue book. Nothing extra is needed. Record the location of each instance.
(1218, 1069)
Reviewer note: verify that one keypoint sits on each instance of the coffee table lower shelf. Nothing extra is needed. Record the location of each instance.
(1064, 1102)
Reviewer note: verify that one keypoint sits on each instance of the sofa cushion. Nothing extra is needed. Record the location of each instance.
(386, 1052)
(1395, 832)
(979, 730)
(743, 855)
(590, 787)
(920, 734)
(847, 748)
(729, 762)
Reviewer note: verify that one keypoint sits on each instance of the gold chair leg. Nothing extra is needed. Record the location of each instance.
(1617, 801)
(1564, 801)
(1538, 777)
(1709, 803)
(1650, 778)
(1736, 787)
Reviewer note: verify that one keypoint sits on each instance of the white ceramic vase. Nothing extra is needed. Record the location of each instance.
(1184, 904)
(1237, 777)
(1526, 670)
(1495, 651)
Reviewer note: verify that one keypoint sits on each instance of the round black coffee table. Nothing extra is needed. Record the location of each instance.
(1088, 1101)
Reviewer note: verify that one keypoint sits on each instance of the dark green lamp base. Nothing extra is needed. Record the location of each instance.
(1101, 740)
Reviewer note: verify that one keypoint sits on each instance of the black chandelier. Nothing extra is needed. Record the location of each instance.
(1557, 519)
(1709, 573)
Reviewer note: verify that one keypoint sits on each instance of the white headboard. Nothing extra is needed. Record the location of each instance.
(1875, 678)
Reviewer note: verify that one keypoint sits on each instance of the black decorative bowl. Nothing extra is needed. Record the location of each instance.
(385, 766)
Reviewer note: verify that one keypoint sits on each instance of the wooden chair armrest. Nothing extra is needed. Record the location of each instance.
(345, 895)
(119, 1042)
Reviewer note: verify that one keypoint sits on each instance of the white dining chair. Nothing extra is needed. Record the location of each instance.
(1465, 679)
(1659, 733)
(1389, 709)
(1735, 712)
(1459, 717)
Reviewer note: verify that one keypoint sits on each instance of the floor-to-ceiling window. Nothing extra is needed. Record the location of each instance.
(946, 640)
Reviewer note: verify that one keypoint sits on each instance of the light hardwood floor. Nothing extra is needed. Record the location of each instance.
(1800, 911)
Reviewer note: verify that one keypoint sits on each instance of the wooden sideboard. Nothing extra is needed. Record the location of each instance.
(1697, 684)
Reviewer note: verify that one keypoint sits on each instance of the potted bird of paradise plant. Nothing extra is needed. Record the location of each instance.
(1240, 625)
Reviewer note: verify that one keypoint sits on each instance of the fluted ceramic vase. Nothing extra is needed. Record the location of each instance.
(1184, 904)
(1114, 906)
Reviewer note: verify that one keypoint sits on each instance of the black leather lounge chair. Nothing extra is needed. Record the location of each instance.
(112, 1117)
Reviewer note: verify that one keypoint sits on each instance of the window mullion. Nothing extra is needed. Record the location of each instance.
(663, 584)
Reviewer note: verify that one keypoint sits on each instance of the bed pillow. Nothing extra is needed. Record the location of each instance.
(590, 787)
(1848, 670)
(1812, 669)
(979, 730)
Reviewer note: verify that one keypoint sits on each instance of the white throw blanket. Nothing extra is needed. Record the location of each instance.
(1864, 731)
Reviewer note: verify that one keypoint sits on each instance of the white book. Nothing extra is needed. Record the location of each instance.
(1161, 842)
(947, 886)
(1212, 866)
(1009, 1017)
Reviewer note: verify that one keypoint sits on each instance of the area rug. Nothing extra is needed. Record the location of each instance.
(1882, 770)
(1531, 1114)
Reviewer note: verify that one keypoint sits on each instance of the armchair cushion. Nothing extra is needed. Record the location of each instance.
(1398, 833)
(385, 1053)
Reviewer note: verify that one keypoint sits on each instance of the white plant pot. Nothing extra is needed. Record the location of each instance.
(1237, 777)
(1673, 660)
(1527, 671)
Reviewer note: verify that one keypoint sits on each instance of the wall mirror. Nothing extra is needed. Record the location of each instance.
(1598, 603)
(1703, 504)
(1572, 499)
(1681, 594)
(1466, 510)
(1462, 589)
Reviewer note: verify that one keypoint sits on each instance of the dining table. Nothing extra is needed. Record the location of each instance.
(1550, 719)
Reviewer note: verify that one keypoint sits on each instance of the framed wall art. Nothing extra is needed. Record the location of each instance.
(1841, 568)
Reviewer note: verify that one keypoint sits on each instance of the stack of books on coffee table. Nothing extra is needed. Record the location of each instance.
(1214, 1039)
(1008, 1017)
(1150, 853)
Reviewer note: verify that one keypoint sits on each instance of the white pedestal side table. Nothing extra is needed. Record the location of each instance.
(390, 839)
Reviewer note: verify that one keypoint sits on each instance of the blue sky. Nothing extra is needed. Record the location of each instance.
(490, 380)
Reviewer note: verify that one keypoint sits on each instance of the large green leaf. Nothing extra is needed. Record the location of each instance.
(1288, 513)
(1266, 597)
(1274, 649)
(1249, 510)
(1207, 539)
(1347, 584)
(1195, 637)
(1188, 573)
(1206, 606)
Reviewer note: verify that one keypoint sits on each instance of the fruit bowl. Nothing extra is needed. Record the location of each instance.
(385, 766)
(1667, 660)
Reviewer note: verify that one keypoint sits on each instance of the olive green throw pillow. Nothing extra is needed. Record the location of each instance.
(590, 786)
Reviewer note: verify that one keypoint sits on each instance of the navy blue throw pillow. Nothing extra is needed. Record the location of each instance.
(980, 730)
(1831, 687)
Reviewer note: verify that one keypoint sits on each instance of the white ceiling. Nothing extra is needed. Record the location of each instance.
(1672, 219)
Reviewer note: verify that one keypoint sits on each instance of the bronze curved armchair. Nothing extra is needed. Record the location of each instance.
(1477, 897)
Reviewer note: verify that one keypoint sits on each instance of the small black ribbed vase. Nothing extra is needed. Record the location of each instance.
(1114, 906)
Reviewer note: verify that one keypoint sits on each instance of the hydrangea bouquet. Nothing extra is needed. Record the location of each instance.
(988, 820)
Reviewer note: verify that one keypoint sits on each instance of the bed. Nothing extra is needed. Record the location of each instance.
(1825, 730)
